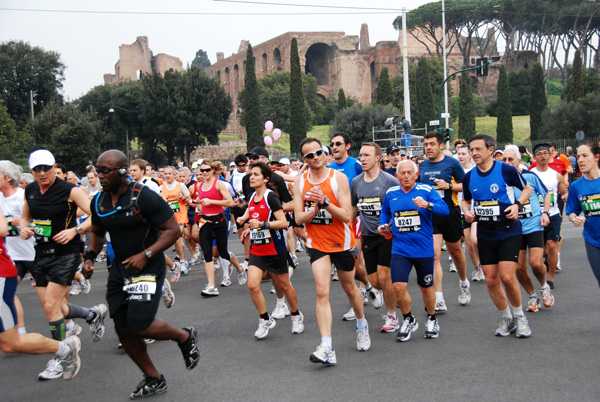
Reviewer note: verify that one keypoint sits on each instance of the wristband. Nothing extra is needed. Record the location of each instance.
(519, 204)
(572, 220)
(89, 255)
(547, 213)
(264, 225)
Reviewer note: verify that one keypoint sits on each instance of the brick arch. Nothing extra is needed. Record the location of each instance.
(277, 63)
(318, 58)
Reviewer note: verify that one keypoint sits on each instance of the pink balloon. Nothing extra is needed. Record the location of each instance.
(268, 140)
(276, 134)
(269, 125)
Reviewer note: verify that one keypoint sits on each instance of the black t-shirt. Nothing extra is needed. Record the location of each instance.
(129, 234)
(51, 213)
(276, 180)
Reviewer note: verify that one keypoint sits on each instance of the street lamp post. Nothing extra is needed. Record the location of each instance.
(111, 110)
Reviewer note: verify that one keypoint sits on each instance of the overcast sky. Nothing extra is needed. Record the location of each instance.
(88, 34)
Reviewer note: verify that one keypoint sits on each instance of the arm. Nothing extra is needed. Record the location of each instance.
(94, 246)
(81, 199)
(3, 225)
(512, 212)
(286, 177)
(300, 215)
(354, 213)
(385, 217)
(573, 208)
(562, 187)
(26, 231)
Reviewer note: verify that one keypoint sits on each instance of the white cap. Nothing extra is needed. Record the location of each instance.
(284, 161)
(232, 164)
(41, 157)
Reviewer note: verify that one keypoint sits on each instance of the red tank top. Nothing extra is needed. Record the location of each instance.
(212, 194)
(7, 266)
(265, 242)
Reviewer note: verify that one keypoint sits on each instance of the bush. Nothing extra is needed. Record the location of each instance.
(568, 118)
(554, 88)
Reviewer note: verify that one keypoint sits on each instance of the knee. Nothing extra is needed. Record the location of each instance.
(322, 292)
(137, 327)
(507, 278)
(399, 287)
(253, 287)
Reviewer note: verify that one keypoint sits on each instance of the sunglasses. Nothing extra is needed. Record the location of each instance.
(107, 170)
(311, 155)
(386, 161)
(336, 144)
(42, 168)
(241, 166)
(205, 170)
(253, 157)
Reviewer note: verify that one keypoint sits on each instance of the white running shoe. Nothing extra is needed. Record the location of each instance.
(391, 324)
(523, 330)
(272, 291)
(217, 264)
(72, 362)
(226, 282)
(363, 340)
(53, 370)
(350, 315)
(376, 296)
(298, 323)
(243, 277)
(75, 330)
(409, 325)
(299, 246)
(281, 311)
(195, 259)
(334, 274)
(263, 328)
(209, 291)
(547, 297)
(432, 328)
(452, 267)
(507, 327)
(464, 296)
(184, 268)
(478, 275)
(440, 306)
(75, 289)
(444, 248)
(175, 272)
(295, 260)
(324, 354)
(168, 297)
(97, 323)
(533, 305)
(365, 297)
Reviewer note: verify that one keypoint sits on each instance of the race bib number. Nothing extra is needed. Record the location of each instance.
(440, 192)
(174, 206)
(12, 229)
(369, 206)
(141, 287)
(552, 200)
(407, 221)
(42, 230)
(260, 236)
(487, 210)
(321, 218)
(591, 204)
(525, 211)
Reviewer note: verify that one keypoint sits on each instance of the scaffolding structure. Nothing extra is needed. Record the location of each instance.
(414, 145)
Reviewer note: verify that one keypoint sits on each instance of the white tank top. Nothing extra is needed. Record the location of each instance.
(236, 180)
(551, 182)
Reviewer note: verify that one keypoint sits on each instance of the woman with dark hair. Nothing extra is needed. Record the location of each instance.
(584, 196)
(268, 250)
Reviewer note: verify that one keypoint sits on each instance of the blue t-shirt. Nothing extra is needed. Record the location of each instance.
(531, 212)
(584, 196)
(492, 192)
(351, 168)
(446, 169)
(411, 226)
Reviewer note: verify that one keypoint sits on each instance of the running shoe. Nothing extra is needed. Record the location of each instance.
(149, 341)
(75, 289)
(299, 246)
(195, 259)
(523, 330)
(452, 267)
(376, 296)
(558, 265)
(334, 274)
(217, 264)
(97, 323)
(507, 327)
(444, 248)
(184, 268)
(533, 304)
(478, 275)
(85, 285)
(363, 340)
(432, 328)
(175, 272)
(550, 283)
(391, 324)
(72, 362)
(324, 354)
(464, 296)
(189, 349)
(409, 325)
(263, 327)
(243, 277)
(149, 386)
(440, 306)
(75, 330)
(209, 291)
(281, 311)
(225, 282)
(168, 297)
(350, 315)
(295, 260)
(365, 297)
(547, 297)
(291, 271)
(298, 323)
(53, 370)
(272, 291)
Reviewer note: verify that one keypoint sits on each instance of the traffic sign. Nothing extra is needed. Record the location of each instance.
(434, 122)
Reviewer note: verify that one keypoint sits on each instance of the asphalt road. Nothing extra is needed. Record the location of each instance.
(467, 362)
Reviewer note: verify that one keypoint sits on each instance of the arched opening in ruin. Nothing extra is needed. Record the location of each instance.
(318, 57)
(277, 59)
(138, 74)
(236, 80)
(264, 63)
(219, 75)
(227, 80)
(373, 81)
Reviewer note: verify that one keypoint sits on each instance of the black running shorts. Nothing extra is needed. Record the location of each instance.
(491, 252)
(450, 227)
(343, 260)
(377, 250)
(276, 264)
(59, 269)
(532, 240)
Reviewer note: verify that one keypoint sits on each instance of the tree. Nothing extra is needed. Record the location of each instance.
(201, 60)
(538, 101)
(298, 124)
(575, 87)
(423, 106)
(504, 127)
(384, 88)
(341, 100)
(251, 117)
(14, 145)
(25, 68)
(466, 117)
(564, 120)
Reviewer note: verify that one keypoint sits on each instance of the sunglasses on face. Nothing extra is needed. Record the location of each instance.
(336, 144)
(107, 170)
(241, 166)
(386, 161)
(253, 157)
(42, 168)
(205, 170)
(311, 155)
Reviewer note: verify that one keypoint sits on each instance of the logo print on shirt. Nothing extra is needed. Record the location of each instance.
(494, 188)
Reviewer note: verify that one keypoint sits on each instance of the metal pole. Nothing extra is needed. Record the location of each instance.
(127, 142)
(445, 67)
(405, 68)
(31, 103)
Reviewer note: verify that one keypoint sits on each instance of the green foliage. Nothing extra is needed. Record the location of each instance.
(575, 87)
(201, 60)
(567, 118)
(342, 104)
(25, 68)
(298, 122)
(14, 145)
(481, 106)
(250, 103)
(384, 88)
(466, 117)
(504, 129)
(423, 109)
(591, 81)
(554, 88)
(538, 101)
(358, 121)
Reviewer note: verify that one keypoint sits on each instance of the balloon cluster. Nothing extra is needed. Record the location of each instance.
(276, 133)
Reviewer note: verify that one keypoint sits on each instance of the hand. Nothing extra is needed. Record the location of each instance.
(26, 232)
(206, 201)
(544, 220)
(442, 184)
(245, 233)
(383, 229)
(136, 263)
(240, 220)
(420, 202)
(317, 194)
(579, 220)
(565, 196)
(88, 269)
(512, 212)
(469, 216)
(65, 236)
(254, 224)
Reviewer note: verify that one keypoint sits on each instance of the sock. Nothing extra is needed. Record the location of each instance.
(70, 325)
(368, 286)
(82, 280)
(532, 294)
(517, 311)
(361, 323)
(90, 317)
(408, 315)
(439, 296)
(431, 317)
(76, 311)
(58, 329)
(265, 316)
(393, 315)
(506, 313)
(21, 330)
(295, 312)
(63, 350)
(327, 341)
(281, 301)
(463, 283)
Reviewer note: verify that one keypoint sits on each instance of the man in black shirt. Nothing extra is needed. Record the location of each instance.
(141, 226)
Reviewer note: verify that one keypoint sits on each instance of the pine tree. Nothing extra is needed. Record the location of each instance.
(341, 100)
(385, 95)
(297, 105)
(424, 105)
(504, 127)
(466, 116)
(250, 104)
(539, 102)
(576, 91)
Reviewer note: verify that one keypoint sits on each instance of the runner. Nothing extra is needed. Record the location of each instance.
(133, 216)
(236, 178)
(393, 154)
(412, 243)
(322, 202)
(185, 177)
(177, 196)
(496, 207)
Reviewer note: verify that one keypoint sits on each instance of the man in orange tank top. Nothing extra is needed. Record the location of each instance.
(177, 196)
(322, 203)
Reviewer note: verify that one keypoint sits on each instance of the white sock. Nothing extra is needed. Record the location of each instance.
(70, 324)
(21, 330)
(82, 280)
(368, 286)
(281, 301)
(463, 283)
(393, 315)
(361, 323)
(327, 341)
(439, 296)
(225, 266)
(506, 313)
(517, 311)
(63, 349)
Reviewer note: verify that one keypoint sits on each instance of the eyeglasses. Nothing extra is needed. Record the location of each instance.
(242, 166)
(311, 155)
(205, 170)
(336, 144)
(253, 157)
(508, 159)
(386, 161)
(42, 168)
(107, 170)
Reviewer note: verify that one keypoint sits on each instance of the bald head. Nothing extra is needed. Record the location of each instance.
(113, 158)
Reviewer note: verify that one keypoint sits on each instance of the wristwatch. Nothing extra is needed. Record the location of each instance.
(326, 203)
(430, 206)
(148, 253)
(451, 185)
(79, 229)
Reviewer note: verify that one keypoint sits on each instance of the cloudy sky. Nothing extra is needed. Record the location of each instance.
(88, 34)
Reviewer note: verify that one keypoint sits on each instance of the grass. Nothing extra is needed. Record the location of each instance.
(487, 125)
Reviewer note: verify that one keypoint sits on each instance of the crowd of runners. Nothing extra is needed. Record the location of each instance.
(365, 223)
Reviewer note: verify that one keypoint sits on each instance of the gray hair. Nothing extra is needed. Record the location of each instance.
(12, 170)
(405, 161)
(515, 149)
(185, 170)
(27, 177)
(171, 167)
(72, 174)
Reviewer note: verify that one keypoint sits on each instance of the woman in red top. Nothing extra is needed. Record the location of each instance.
(268, 250)
(213, 197)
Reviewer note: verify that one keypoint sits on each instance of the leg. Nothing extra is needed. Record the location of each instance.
(459, 259)
(429, 298)
(403, 297)
(355, 296)
(492, 279)
(506, 272)
(179, 248)
(137, 350)
(284, 284)
(593, 255)
(385, 283)
(322, 273)
(437, 265)
(255, 275)
(522, 274)
(552, 251)
(31, 343)
(205, 236)
(536, 260)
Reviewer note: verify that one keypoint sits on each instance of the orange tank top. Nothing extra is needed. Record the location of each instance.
(177, 205)
(324, 232)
